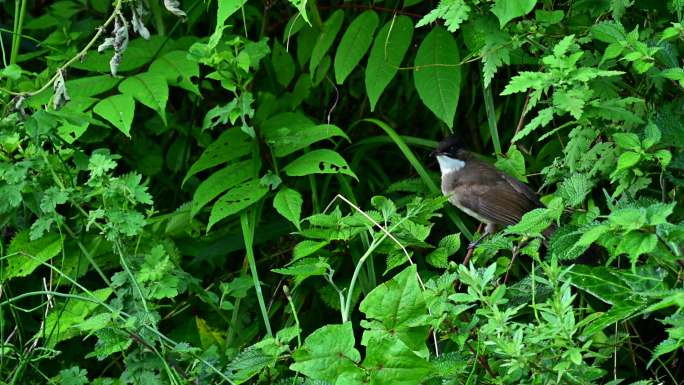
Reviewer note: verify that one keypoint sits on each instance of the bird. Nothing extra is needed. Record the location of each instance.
(480, 190)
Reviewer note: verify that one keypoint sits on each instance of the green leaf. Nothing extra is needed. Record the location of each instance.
(79, 88)
(604, 283)
(438, 74)
(325, 39)
(26, 255)
(63, 321)
(609, 32)
(446, 247)
(627, 141)
(73, 376)
(507, 10)
(327, 353)
(219, 182)
(304, 268)
(354, 44)
(513, 164)
(385, 58)
(283, 64)
(150, 89)
(236, 199)
(526, 79)
(225, 9)
(636, 243)
(138, 53)
(627, 160)
(397, 309)
(178, 70)
(117, 110)
(652, 135)
(288, 203)
(390, 362)
(232, 144)
(319, 162)
(542, 119)
(301, 7)
(453, 12)
(549, 17)
(572, 101)
(574, 189)
(289, 132)
(306, 248)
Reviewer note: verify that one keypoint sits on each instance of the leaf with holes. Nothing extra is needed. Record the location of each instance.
(388, 50)
(438, 74)
(288, 203)
(319, 162)
(325, 39)
(220, 182)
(354, 44)
(117, 110)
(178, 70)
(148, 88)
(235, 200)
(232, 144)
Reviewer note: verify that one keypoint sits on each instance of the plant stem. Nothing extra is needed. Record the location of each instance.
(491, 117)
(355, 276)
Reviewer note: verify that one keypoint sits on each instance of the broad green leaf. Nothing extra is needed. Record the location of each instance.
(446, 247)
(354, 44)
(219, 182)
(390, 362)
(652, 135)
(319, 162)
(117, 110)
(289, 132)
(629, 218)
(283, 64)
(397, 309)
(388, 50)
(604, 283)
(656, 214)
(232, 144)
(251, 361)
(326, 38)
(78, 88)
(306, 248)
(636, 243)
(236, 199)
(150, 89)
(609, 32)
(600, 320)
(62, 323)
(437, 74)
(507, 10)
(627, 160)
(178, 70)
(327, 353)
(513, 164)
(549, 17)
(138, 53)
(563, 244)
(627, 141)
(225, 9)
(25, 255)
(306, 40)
(304, 268)
(288, 203)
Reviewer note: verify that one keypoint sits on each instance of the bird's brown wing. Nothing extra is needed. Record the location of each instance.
(495, 196)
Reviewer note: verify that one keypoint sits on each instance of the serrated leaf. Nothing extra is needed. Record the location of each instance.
(543, 118)
(652, 135)
(526, 79)
(231, 144)
(306, 248)
(453, 12)
(575, 188)
(386, 55)
(390, 362)
(604, 283)
(446, 247)
(304, 268)
(507, 10)
(327, 353)
(325, 39)
(148, 88)
(512, 164)
(355, 43)
(288, 203)
(219, 182)
(319, 162)
(437, 74)
(236, 199)
(25, 255)
(664, 347)
(117, 110)
(636, 243)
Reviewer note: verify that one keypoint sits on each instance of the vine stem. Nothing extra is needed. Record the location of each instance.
(78, 56)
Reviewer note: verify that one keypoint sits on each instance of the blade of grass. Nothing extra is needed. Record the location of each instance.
(248, 236)
(422, 172)
(491, 118)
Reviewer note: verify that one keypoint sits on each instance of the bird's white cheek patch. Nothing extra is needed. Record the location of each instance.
(447, 164)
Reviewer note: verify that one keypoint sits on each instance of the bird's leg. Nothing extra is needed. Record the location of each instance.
(489, 229)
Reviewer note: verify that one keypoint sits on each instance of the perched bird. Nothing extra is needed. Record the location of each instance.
(480, 190)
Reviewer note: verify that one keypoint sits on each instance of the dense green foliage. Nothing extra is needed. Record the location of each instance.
(241, 192)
